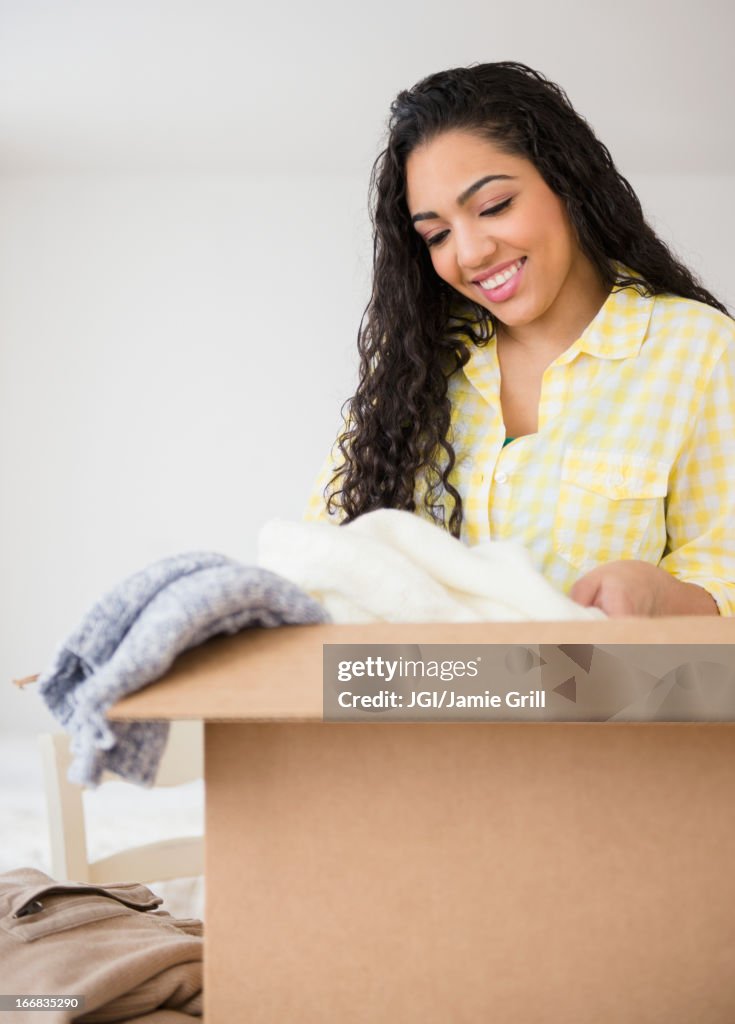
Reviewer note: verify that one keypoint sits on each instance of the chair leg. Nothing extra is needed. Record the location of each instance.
(65, 808)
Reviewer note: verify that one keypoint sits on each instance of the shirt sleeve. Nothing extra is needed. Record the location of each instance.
(700, 514)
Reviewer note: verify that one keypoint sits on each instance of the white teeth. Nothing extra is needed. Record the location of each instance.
(502, 277)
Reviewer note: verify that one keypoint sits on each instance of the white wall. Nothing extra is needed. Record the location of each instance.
(174, 355)
(184, 250)
(247, 85)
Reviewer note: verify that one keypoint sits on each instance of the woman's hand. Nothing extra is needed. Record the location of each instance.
(639, 588)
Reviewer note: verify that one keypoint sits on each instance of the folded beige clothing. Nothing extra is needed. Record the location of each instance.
(108, 944)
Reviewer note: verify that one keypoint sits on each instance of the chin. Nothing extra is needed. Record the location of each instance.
(512, 317)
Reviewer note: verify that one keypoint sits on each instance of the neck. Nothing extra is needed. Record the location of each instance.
(578, 303)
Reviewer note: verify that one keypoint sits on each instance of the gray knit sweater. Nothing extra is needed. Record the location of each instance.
(131, 637)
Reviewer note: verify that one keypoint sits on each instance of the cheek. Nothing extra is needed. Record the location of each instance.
(445, 265)
(558, 230)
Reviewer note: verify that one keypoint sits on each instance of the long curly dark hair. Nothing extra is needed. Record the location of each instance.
(414, 333)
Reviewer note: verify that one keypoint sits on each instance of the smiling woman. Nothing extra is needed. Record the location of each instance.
(535, 364)
(541, 304)
(528, 219)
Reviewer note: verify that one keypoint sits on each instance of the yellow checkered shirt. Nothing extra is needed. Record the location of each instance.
(634, 456)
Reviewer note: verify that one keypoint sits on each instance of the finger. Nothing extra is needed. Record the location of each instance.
(615, 601)
(585, 590)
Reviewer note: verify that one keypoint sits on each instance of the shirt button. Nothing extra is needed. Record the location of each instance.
(501, 477)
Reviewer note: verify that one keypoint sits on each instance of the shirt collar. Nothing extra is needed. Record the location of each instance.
(620, 326)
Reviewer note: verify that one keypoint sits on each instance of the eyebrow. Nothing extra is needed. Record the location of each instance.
(467, 194)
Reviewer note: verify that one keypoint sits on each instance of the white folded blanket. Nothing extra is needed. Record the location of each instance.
(391, 566)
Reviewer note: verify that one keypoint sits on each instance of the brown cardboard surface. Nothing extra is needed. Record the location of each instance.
(455, 873)
(425, 874)
(276, 674)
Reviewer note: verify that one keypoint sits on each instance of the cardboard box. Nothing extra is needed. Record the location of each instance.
(518, 873)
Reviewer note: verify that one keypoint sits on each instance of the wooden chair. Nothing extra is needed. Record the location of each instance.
(153, 862)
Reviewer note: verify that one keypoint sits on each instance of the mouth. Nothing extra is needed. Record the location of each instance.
(503, 284)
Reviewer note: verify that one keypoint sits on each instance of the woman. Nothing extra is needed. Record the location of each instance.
(535, 363)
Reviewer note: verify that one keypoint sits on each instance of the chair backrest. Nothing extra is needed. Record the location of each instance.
(153, 862)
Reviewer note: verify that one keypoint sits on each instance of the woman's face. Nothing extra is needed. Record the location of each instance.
(495, 230)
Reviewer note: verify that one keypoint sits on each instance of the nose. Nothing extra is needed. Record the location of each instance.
(474, 247)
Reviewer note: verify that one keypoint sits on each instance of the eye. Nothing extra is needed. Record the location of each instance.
(436, 239)
(491, 211)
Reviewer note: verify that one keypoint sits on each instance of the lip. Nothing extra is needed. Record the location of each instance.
(505, 291)
(497, 269)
